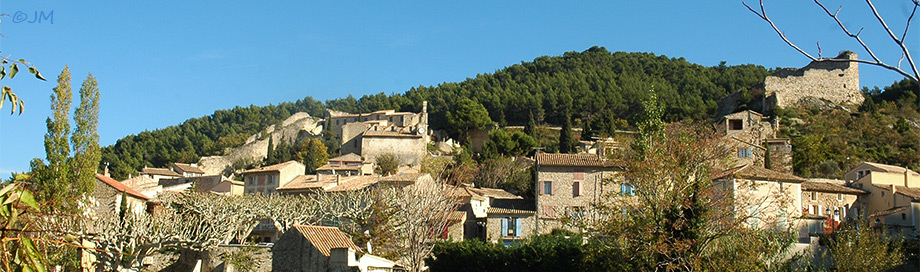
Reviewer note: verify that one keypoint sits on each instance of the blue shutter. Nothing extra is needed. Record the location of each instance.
(517, 227)
(504, 227)
(623, 189)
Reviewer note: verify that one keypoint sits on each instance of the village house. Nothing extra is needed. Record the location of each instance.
(267, 179)
(509, 220)
(350, 164)
(751, 139)
(107, 197)
(187, 170)
(315, 248)
(767, 198)
(567, 184)
(826, 204)
(159, 173)
(144, 184)
(893, 198)
(403, 134)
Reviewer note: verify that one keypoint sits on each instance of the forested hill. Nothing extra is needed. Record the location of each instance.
(602, 89)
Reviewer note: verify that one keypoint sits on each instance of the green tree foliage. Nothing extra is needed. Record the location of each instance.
(531, 127)
(387, 164)
(312, 153)
(860, 247)
(566, 140)
(6, 94)
(468, 115)
(85, 140)
(558, 251)
(605, 89)
(197, 137)
(51, 180)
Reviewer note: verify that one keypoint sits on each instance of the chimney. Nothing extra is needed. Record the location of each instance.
(424, 106)
(105, 171)
(336, 180)
(317, 177)
(906, 176)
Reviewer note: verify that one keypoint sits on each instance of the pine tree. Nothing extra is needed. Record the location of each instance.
(85, 140)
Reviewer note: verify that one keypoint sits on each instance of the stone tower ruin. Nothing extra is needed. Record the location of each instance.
(834, 81)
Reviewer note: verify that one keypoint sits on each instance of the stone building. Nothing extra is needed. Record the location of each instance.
(369, 135)
(750, 137)
(834, 81)
(315, 248)
(107, 197)
(568, 183)
(770, 199)
(187, 170)
(509, 220)
(267, 179)
(350, 164)
(825, 204)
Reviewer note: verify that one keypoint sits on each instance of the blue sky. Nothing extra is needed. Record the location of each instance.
(159, 63)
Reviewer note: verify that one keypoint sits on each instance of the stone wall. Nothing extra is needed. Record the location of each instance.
(255, 150)
(837, 82)
(409, 150)
(551, 207)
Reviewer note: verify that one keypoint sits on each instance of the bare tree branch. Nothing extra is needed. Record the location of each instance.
(876, 61)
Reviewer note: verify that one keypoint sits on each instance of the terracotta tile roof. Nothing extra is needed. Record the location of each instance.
(497, 211)
(456, 216)
(303, 182)
(353, 184)
(159, 171)
(121, 187)
(756, 172)
(495, 193)
(889, 211)
(818, 186)
(330, 167)
(512, 206)
(584, 160)
(390, 134)
(189, 168)
(462, 191)
(350, 157)
(324, 239)
(274, 167)
(403, 177)
(913, 193)
(891, 168)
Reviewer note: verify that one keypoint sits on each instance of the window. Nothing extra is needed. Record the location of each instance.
(839, 196)
(576, 189)
(547, 187)
(903, 216)
(744, 152)
(735, 124)
(626, 189)
(814, 196)
(511, 227)
(251, 181)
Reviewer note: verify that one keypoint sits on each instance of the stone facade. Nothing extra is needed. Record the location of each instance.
(508, 227)
(834, 81)
(567, 184)
(403, 134)
(749, 137)
(256, 148)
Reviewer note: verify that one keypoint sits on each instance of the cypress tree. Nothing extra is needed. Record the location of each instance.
(531, 127)
(270, 155)
(566, 140)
